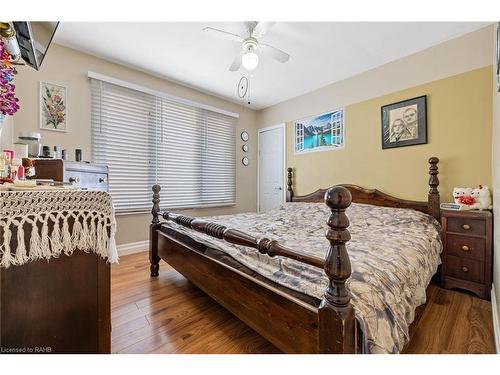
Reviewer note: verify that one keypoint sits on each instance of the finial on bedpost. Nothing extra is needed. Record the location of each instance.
(156, 204)
(289, 189)
(154, 259)
(338, 326)
(433, 201)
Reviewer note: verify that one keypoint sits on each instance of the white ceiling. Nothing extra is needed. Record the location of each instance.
(321, 52)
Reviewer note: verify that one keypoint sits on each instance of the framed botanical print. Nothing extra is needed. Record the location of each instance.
(404, 123)
(53, 107)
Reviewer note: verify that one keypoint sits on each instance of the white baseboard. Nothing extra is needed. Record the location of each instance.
(132, 247)
(496, 319)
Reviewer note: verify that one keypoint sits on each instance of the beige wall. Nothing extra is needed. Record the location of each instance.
(459, 132)
(496, 193)
(69, 68)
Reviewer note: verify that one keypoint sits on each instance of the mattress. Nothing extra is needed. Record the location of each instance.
(394, 253)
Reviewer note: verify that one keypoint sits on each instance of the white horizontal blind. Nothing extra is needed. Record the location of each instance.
(146, 139)
(122, 138)
(179, 153)
(219, 160)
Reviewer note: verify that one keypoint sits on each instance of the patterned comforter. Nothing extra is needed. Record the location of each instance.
(394, 253)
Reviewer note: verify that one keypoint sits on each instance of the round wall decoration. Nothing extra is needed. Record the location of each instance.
(244, 136)
(243, 87)
(245, 161)
(244, 148)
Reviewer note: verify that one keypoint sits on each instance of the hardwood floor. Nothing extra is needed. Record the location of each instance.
(170, 315)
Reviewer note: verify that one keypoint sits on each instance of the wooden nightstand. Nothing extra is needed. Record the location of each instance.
(467, 254)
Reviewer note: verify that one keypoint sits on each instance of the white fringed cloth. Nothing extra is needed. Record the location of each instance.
(44, 224)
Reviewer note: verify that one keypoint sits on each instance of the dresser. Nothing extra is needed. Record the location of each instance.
(82, 175)
(468, 251)
(62, 305)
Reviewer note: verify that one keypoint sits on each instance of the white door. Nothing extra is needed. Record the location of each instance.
(271, 168)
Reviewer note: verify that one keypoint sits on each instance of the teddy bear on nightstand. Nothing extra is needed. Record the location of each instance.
(482, 197)
(463, 197)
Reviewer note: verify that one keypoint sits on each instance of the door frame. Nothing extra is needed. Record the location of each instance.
(281, 126)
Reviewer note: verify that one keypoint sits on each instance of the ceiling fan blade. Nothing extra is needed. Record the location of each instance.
(225, 34)
(275, 53)
(262, 28)
(236, 63)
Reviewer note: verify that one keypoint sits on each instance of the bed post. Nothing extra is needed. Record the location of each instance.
(433, 200)
(154, 259)
(289, 189)
(338, 327)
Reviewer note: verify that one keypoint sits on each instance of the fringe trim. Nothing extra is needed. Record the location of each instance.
(89, 234)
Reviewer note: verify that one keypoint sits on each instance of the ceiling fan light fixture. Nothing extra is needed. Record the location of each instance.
(251, 49)
(250, 60)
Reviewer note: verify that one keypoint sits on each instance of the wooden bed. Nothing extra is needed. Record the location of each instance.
(292, 324)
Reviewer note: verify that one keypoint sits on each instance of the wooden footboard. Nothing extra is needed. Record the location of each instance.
(287, 322)
(290, 324)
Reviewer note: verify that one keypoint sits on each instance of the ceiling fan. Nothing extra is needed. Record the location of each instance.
(250, 45)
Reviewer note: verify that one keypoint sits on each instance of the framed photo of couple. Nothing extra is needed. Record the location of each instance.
(404, 123)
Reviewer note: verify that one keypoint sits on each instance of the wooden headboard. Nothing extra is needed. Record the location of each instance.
(376, 197)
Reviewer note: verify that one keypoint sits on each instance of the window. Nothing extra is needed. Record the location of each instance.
(320, 133)
(299, 136)
(147, 138)
(337, 128)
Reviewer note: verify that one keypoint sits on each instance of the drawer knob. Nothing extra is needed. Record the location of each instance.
(102, 180)
(465, 248)
(465, 269)
(466, 226)
(74, 180)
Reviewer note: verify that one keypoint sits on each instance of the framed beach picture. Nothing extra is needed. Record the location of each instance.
(319, 133)
(53, 107)
(404, 123)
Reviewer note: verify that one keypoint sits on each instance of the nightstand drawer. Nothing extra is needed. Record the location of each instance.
(465, 247)
(466, 226)
(465, 269)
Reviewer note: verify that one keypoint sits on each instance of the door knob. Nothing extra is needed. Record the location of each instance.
(279, 188)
